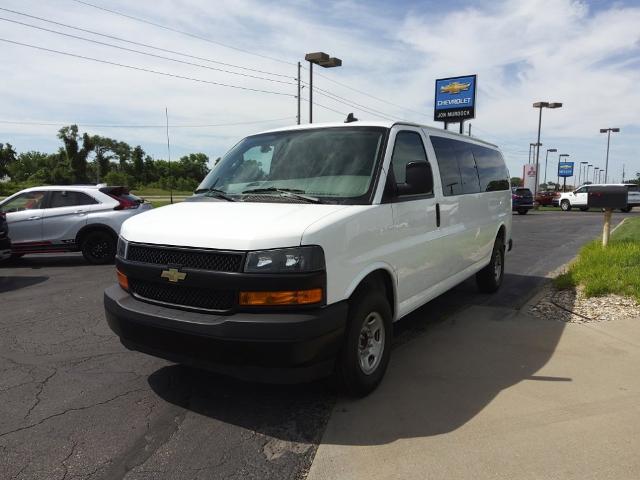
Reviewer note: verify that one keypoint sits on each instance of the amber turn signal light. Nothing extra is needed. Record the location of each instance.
(123, 281)
(293, 297)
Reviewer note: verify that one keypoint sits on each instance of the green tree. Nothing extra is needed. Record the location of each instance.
(516, 181)
(7, 157)
(75, 154)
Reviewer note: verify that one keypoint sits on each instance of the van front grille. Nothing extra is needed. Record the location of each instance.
(183, 296)
(187, 258)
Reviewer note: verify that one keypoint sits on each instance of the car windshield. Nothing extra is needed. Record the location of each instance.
(330, 163)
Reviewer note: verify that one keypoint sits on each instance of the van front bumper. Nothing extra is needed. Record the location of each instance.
(284, 347)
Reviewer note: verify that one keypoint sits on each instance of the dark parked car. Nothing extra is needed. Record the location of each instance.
(5, 243)
(547, 198)
(521, 200)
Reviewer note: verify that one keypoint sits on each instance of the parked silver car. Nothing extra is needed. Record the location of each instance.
(84, 218)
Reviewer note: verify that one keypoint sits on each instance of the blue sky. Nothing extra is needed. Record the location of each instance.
(584, 54)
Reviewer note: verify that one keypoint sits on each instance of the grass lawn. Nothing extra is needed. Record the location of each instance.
(162, 203)
(615, 269)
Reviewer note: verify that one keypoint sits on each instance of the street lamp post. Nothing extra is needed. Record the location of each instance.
(588, 167)
(541, 105)
(606, 164)
(564, 188)
(596, 177)
(580, 175)
(546, 159)
(325, 61)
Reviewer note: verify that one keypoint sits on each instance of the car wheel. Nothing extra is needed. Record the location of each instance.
(626, 210)
(565, 206)
(584, 209)
(490, 277)
(523, 211)
(99, 248)
(365, 353)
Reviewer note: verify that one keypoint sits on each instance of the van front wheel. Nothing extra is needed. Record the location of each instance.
(490, 277)
(366, 350)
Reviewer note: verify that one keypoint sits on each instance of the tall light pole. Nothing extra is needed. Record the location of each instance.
(608, 132)
(596, 178)
(546, 159)
(580, 182)
(325, 61)
(565, 178)
(588, 167)
(540, 106)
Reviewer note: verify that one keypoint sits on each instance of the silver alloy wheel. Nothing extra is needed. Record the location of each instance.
(497, 267)
(371, 343)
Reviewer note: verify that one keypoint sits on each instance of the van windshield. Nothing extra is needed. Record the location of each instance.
(332, 164)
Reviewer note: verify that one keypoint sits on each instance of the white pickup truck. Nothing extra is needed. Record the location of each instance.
(578, 198)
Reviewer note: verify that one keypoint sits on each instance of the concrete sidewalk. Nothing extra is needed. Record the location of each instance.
(493, 393)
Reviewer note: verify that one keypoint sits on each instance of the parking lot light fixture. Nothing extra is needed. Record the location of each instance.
(608, 132)
(580, 182)
(588, 168)
(325, 61)
(545, 162)
(540, 106)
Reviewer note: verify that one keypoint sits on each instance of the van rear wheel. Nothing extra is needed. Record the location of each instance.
(365, 353)
(490, 277)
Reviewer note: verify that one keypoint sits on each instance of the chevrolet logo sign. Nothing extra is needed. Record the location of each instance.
(173, 275)
(455, 87)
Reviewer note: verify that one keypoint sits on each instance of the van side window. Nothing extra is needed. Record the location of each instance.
(492, 171)
(407, 149)
(468, 168)
(448, 166)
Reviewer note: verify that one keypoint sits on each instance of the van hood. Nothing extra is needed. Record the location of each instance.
(226, 225)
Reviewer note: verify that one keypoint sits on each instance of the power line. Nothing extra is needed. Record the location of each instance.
(324, 106)
(144, 53)
(120, 39)
(350, 103)
(148, 70)
(102, 125)
(367, 94)
(182, 32)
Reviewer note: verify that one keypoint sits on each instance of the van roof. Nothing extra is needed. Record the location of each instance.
(381, 123)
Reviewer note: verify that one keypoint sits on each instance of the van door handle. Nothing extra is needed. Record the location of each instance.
(33, 218)
(80, 211)
(438, 215)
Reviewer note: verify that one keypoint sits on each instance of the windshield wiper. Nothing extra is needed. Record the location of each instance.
(215, 193)
(287, 192)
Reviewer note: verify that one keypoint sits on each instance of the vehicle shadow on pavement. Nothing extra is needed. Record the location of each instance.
(449, 361)
(11, 283)
(293, 413)
(45, 261)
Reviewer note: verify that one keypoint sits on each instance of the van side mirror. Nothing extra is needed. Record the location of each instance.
(419, 179)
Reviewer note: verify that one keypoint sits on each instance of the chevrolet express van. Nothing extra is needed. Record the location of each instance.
(304, 244)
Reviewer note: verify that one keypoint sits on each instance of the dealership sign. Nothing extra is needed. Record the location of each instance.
(455, 99)
(529, 176)
(565, 169)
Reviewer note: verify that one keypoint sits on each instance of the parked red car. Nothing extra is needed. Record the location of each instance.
(546, 198)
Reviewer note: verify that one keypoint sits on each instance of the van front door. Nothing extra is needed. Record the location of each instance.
(417, 254)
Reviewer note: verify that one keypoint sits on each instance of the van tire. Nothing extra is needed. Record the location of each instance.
(584, 209)
(490, 277)
(367, 306)
(565, 206)
(99, 247)
(523, 211)
(627, 209)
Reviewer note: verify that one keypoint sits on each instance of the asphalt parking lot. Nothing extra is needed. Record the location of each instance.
(74, 404)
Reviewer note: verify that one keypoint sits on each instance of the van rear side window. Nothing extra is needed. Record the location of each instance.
(469, 168)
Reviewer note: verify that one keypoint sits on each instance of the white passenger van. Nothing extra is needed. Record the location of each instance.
(304, 244)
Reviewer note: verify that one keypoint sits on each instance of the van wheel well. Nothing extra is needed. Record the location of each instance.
(501, 234)
(82, 234)
(380, 280)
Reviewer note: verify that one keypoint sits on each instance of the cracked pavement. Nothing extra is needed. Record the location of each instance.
(75, 404)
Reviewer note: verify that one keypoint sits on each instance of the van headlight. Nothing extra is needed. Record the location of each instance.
(121, 251)
(286, 260)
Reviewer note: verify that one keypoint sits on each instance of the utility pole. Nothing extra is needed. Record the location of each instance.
(166, 113)
(298, 93)
(623, 173)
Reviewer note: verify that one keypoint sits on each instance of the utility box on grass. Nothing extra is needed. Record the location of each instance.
(607, 196)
